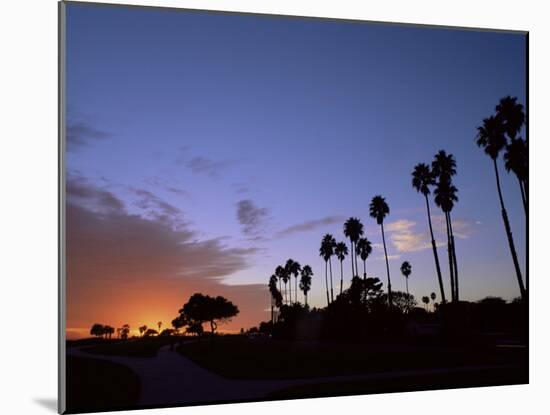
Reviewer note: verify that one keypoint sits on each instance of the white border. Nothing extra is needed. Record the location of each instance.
(28, 225)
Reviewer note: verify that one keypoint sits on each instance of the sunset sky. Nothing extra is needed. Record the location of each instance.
(205, 149)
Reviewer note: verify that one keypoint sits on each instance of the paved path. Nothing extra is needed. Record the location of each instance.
(172, 379)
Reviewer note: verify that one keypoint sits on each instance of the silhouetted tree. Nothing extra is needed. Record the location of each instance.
(118, 330)
(159, 325)
(341, 250)
(97, 330)
(433, 297)
(305, 281)
(293, 268)
(401, 301)
(444, 168)
(426, 301)
(281, 274)
(511, 116)
(491, 138)
(327, 251)
(150, 332)
(125, 331)
(179, 322)
(108, 331)
(379, 209)
(406, 270)
(203, 308)
(422, 179)
(364, 249)
(142, 330)
(353, 229)
(276, 296)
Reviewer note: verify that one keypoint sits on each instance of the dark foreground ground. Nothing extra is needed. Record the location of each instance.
(97, 381)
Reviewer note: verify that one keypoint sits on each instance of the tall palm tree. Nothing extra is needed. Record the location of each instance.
(379, 209)
(280, 272)
(433, 297)
(305, 281)
(341, 250)
(273, 289)
(406, 270)
(364, 249)
(516, 160)
(353, 229)
(426, 301)
(326, 251)
(159, 325)
(511, 116)
(444, 168)
(293, 268)
(491, 138)
(445, 197)
(422, 179)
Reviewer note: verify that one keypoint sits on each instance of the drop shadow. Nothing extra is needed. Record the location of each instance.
(48, 403)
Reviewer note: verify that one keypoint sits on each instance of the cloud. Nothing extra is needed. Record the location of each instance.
(81, 134)
(127, 268)
(408, 236)
(310, 225)
(157, 208)
(206, 166)
(251, 217)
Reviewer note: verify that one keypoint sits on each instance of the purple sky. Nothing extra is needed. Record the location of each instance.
(260, 134)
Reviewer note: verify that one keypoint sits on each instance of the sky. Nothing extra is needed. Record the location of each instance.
(204, 149)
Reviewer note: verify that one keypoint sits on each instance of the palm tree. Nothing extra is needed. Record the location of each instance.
(281, 273)
(433, 297)
(353, 229)
(406, 270)
(276, 297)
(142, 330)
(364, 249)
(305, 281)
(516, 160)
(491, 138)
(293, 268)
(426, 301)
(511, 116)
(444, 167)
(327, 251)
(341, 250)
(378, 210)
(422, 179)
(159, 325)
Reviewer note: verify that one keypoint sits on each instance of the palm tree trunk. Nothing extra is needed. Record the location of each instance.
(523, 195)
(453, 246)
(364, 280)
(387, 265)
(341, 275)
(407, 285)
(290, 288)
(326, 280)
(450, 252)
(296, 288)
(436, 256)
(509, 234)
(351, 255)
(305, 298)
(331, 290)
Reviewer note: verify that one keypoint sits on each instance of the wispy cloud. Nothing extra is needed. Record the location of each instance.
(251, 217)
(81, 134)
(208, 167)
(310, 225)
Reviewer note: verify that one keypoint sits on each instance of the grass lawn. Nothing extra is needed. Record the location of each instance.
(486, 377)
(242, 358)
(145, 347)
(95, 385)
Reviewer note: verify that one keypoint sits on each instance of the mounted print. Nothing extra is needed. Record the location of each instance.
(260, 207)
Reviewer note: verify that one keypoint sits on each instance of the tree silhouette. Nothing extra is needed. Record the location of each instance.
(179, 322)
(97, 330)
(379, 209)
(510, 114)
(159, 325)
(327, 251)
(281, 274)
(305, 281)
(341, 250)
(426, 301)
(422, 179)
(108, 331)
(406, 270)
(353, 229)
(444, 168)
(491, 138)
(142, 330)
(125, 331)
(203, 308)
(150, 332)
(433, 297)
(276, 296)
(364, 249)
(293, 268)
